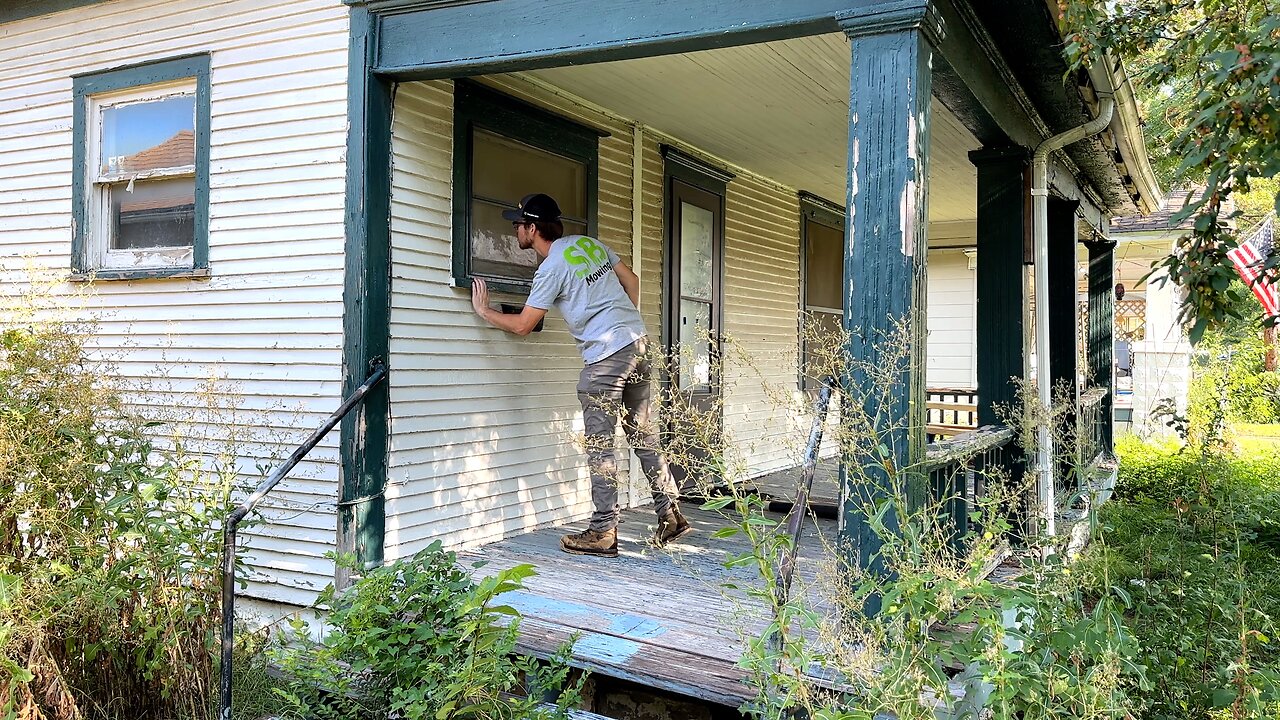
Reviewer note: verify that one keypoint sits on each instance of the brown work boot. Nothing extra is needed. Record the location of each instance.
(671, 526)
(592, 542)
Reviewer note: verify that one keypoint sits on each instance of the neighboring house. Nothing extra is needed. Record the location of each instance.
(1158, 362)
(282, 192)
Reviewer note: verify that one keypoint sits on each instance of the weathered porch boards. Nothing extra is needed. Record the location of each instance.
(661, 618)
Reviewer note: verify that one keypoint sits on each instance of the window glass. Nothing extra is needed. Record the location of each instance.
(697, 228)
(153, 213)
(823, 331)
(505, 170)
(144, 136)
(502, 172)
(695, 344)
(824, 264)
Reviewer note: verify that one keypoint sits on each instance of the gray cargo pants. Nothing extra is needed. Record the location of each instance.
(618, 386)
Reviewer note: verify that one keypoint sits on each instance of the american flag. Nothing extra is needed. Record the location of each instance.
(1250, 258)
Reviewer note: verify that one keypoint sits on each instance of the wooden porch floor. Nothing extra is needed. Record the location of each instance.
(661, 618)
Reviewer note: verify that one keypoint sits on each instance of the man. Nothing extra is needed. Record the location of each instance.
(598, 296)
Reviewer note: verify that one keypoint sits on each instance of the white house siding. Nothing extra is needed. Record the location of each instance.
(952, 321)
(266, 326)
(761, 303)
(483, 423)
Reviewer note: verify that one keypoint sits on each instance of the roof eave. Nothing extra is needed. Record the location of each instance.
(1109, 76)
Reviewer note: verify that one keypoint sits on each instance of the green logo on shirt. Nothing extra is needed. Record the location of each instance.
(586, 256)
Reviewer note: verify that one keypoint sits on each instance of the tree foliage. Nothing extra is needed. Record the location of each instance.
(1210, 72)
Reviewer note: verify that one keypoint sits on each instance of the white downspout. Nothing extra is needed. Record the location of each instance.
(1040, 234)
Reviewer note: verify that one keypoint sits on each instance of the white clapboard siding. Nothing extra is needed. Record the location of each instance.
(952, 321)
(761, 306)
(484, 424)
(262, 337)
(761, 286)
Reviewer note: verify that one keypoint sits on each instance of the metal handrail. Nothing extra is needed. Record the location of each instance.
(796, 520)
(379, 372)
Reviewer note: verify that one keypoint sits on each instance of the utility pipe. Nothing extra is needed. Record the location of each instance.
(1040, 236)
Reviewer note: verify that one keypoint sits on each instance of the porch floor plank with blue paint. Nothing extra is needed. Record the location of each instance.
(661, 618)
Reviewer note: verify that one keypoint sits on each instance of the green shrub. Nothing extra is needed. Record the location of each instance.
(1195, 543)
(416, 639)
(109, 553)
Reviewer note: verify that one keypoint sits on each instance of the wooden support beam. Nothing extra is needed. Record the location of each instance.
(425, 39)
(366, 301)
(1001, 278)
(1101, 332)
(887, 220)
(1064, 330)
(1063, 312)
(1004, 228)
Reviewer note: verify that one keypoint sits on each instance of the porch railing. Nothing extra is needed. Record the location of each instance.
(956, 469)
(1090, 445)
(378, 374)
(951, 410)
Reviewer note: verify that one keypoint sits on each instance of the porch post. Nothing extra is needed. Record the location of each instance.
(1003, 229)
(889, 109)
(1063, 307)
(1101, 348)
(1001, 279)
(1064, 329)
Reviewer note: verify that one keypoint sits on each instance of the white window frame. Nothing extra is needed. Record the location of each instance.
(98, 216)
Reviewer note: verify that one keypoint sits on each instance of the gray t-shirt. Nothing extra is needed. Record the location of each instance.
(578, 278)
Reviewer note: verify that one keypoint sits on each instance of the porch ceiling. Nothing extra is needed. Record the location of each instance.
(779, 109)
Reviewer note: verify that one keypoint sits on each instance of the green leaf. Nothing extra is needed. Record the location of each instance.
(725, 532)
(718, 503)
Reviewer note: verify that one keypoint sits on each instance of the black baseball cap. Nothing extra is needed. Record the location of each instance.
(534, 207)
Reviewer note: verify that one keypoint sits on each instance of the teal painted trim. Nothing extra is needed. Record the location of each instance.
(974, 80)
(822, 210)
(23, 9)
(677, 165)
(893, 17)
(366, 299)
(889, 110)
(478, 107)
(1101, 333)
(438, 40)
(142, 274)
(86, 85)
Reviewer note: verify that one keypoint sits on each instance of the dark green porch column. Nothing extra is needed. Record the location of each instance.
(1101, 334)
(1002, 293)
(889, 109)
(1064, 330)
(1064, 311)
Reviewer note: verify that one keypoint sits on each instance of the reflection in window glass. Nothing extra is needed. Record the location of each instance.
(153, 214)
(502, 172)
(144, 136)
(506, 170)
(697, 226)
(695, 345)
